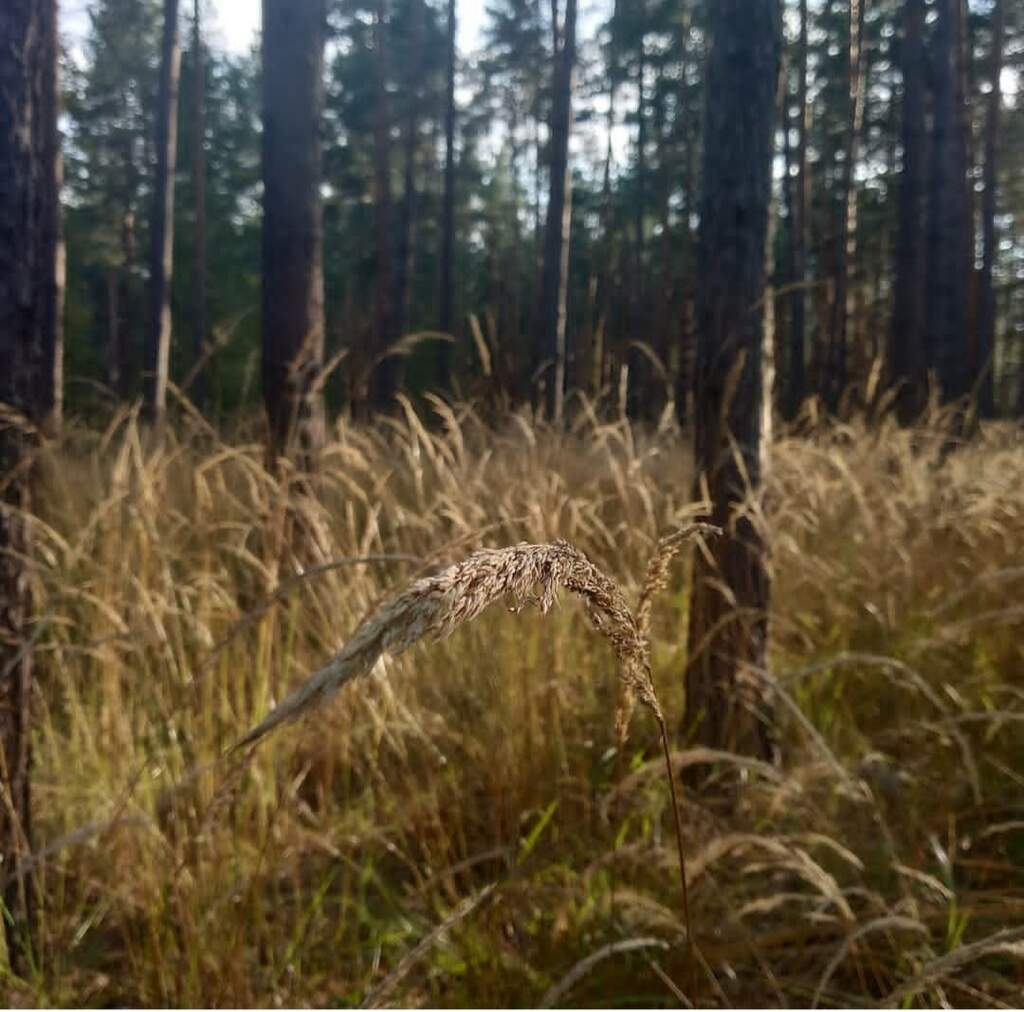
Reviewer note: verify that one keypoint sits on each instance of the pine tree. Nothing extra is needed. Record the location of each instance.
(728, 627)
(29, 311)
(293, 286)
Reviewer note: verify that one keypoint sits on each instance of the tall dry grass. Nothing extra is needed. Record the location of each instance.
(463, 829)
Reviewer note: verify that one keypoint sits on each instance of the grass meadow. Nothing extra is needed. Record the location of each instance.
(460, 827)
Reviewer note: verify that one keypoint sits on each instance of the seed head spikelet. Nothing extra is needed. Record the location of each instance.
(433, 607)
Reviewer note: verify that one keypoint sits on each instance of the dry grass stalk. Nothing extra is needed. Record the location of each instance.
(433, 607)
(1009, 940)
(583, 967)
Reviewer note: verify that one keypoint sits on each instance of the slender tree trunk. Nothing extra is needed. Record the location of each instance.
(293, 277)
(796, 198)
(51, 276)
(410, 144)
(601, 355)
(639, 316)
(728, 629)
(114, 354)
(990, 245)
(666, 324)
(906, 351)
(846, 245)
(949, 231)
(199, 283)
(127, 289)
(158, 334)
(29, 289)
(384, 377)
(448, 209)
(554, 279)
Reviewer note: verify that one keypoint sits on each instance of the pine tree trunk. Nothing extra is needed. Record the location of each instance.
(554, 277)
(638, 310)
(949, 230)
(407, 219)
(29, 314)
(796, 198)
(728, 630)
(199, 282)
(114, 356)
(384, 376)
(51, 276)
(987, 308)
(906, 351)
(448, 209)
(293, 279)
(161, 258)
(846, 246)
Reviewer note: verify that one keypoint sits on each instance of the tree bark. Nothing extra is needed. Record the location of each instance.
(410, 145)
(199, 281)
(293, 279)
(906, 351)
(51, 276)
(796, 199)
(161, 257)
(447, 298)
(29, 273)
(949, 228)
(728, 629)
(846, 245)
(555, 271)
(990, 241)
(384, 378)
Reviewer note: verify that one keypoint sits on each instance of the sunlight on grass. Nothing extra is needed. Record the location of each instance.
(461, 830)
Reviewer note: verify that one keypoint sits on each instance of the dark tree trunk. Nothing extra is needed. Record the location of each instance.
(29, 315)
(410, 145)
(554, 275)
(161, 256)
(638, 394)
(384, 377)
(846, 245)
(987, 298)
(601, 354)
(199, 282)
(796, 200)
(51, 275)
(728, 628)
(447, 298)
(112, 314)
(949, 229)
(906, 351)
(293, 278)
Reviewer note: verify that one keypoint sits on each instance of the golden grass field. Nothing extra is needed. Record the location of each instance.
(458, 828)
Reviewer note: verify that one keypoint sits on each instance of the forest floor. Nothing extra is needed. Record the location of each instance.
(458, 828)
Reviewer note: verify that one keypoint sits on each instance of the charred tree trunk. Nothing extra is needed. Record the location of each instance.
(29, 311)
(949, 229)
(161, 256)
(906, 351)
(554, 276)
(987, 307)
(728, 629)
(293, 277)
(199, 284)
(448, 211)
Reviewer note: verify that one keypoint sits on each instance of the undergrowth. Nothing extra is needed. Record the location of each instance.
(463, 830)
